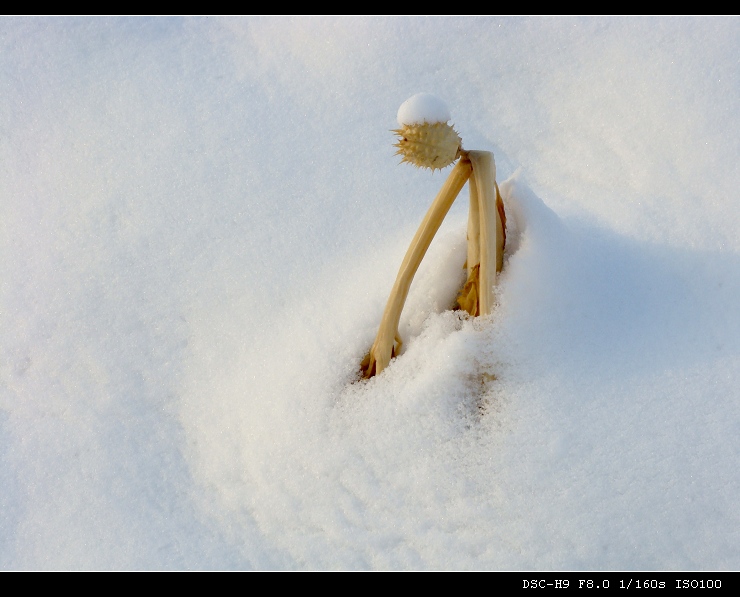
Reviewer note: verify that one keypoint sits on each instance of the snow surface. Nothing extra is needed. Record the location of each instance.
(202, 219)
(423, 107)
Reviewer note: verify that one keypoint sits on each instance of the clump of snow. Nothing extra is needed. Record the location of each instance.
(421, 108)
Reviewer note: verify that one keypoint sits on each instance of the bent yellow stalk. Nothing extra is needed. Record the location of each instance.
(388, 342)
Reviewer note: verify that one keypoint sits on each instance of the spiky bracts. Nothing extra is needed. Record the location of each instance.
(428, 145)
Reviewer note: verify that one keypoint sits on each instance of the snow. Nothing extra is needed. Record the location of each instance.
(421, 108)
(202, 219)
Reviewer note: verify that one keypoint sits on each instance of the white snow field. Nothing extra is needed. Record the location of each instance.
(201, 220)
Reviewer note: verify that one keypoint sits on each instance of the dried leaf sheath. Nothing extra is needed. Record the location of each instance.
(468, 297)
(501, 225)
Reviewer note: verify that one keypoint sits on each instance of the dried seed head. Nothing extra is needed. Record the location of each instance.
(428, 145)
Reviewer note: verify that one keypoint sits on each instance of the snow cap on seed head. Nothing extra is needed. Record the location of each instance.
(425, 137)
(421, 108)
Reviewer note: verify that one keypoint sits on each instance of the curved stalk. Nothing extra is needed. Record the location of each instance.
(388, 342)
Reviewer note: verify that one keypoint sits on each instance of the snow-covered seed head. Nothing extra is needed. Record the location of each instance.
(425, 139)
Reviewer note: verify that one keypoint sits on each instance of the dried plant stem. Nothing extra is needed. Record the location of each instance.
(486, 236)
(482, 180)
(473, 229)
(388, 342)
(468, 297)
